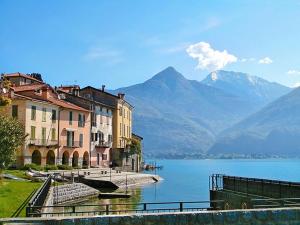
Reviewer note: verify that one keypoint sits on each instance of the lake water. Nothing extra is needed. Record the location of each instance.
(188, 180)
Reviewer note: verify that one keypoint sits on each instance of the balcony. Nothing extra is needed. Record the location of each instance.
(71, 144)
(43, 142)
(104, 144)
(81, 123)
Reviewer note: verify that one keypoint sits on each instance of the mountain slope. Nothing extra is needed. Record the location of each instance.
(273, 130)
(252, 88)
(174, 114)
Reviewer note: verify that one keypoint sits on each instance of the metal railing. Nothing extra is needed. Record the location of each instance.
(36, 203)
(73, 144)
(43, 142)
(122, 208)
(104, 144)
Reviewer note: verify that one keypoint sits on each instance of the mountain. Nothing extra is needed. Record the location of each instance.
(177, 115)
(273, 130)
(251, 88)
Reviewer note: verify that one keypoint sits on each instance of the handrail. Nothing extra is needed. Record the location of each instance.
(38, 199)
(131, 207)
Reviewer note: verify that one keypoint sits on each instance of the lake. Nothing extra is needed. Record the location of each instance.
(188, 180)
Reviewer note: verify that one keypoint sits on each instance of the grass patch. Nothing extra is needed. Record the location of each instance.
(12, 195)
(17, 173)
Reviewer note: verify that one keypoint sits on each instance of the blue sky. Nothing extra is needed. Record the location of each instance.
(120, 43)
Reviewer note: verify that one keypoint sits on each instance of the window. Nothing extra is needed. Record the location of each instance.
(109, 138)
(33, 112)
(124, 113)
(81, 140)
(120, 111)
(53, 134)
(14, 111)
(98, 158)
(70, 117)
(70, 138)
(120, 143)
(120, 129)
(104, 156)
(32, 133)
(44, 115)
(80, 120)
(43, 135)
(124, 132)
(96, 136)
(53, 115)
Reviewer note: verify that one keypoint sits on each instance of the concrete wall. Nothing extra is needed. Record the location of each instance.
(234, 217)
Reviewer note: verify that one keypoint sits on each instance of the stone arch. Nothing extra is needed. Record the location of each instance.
(85, 160)
(50, 158)
(75, 159)
(65, 158)
(36, 157)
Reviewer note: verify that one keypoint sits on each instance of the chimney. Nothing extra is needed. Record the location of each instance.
(103, 88)
(121, 95)
(45, 93)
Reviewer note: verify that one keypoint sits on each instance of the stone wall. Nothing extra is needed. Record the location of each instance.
(233, 217)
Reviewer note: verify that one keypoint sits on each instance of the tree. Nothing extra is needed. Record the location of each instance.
(12, 136)
(5, 86)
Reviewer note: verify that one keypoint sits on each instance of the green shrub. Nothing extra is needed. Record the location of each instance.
(50, 167)
(31, 166)
(64, 167)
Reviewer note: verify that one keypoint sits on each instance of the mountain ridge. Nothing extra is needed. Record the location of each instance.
(175, 114)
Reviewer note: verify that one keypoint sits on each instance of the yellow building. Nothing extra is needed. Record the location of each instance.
(122, 123)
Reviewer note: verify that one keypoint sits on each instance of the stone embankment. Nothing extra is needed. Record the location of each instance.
(121, 180)
(108, 178)
(70, 192)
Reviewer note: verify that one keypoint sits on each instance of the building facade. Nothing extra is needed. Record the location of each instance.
(57, 131)
(121, 120)
(100, 123)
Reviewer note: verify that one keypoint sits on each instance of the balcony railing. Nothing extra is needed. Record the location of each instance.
(104, 144)
(43, 142)
(81, 123)
(71, 144)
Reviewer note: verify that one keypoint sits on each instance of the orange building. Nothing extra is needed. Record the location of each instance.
(58, 131)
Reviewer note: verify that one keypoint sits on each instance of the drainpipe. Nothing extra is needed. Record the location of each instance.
(58, 135)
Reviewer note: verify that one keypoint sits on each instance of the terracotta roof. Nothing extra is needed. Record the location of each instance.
(22, 75)
(52, 99)
(28, 87)
(107, 93)
(66, 104)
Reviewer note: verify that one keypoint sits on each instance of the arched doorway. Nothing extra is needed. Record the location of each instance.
(75, 159)
(65, 158)
(50, 160)
(36, 157)
(85, 161)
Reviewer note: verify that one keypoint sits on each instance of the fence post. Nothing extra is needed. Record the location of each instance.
(73, 209)
(145, 207)
(181, 206)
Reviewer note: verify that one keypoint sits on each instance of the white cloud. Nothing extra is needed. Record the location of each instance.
(265, 60)
(109, 56)
(208, 58)
(297, 84)
(293, 72)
